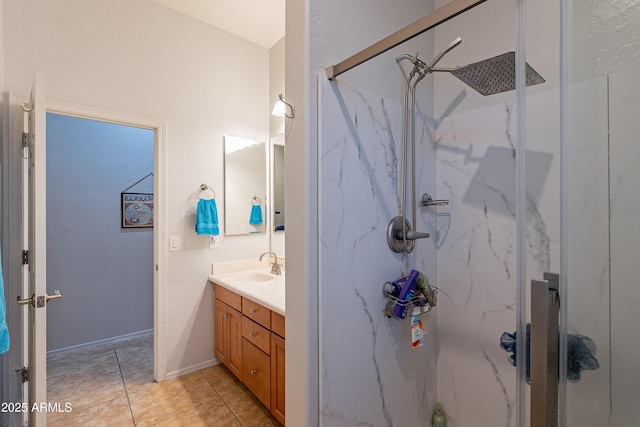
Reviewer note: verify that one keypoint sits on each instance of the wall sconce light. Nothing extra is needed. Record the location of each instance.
(280, 108)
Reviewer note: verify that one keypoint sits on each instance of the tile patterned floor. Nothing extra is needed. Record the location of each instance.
(112, 385)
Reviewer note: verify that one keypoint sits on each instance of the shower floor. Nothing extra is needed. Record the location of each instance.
(112, 385)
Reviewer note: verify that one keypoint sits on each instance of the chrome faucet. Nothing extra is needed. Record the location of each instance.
(275, 267)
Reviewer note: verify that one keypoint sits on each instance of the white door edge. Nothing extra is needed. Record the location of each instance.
(21, 100)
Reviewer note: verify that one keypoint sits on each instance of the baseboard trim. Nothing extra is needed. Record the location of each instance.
(193, 368)
(104, 341)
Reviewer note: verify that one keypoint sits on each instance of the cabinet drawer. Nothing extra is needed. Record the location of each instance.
(227, 296)
(256, 334)
(256, 369)
(277, 323)
(256, 312)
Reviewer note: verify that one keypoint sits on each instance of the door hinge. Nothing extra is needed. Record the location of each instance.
(25, 145)
(25, 257)
(24, 371)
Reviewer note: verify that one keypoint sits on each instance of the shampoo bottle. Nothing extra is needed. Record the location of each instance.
(438, 419)
(407, 291)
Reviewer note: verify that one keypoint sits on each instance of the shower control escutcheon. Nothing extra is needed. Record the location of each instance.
(402, 239)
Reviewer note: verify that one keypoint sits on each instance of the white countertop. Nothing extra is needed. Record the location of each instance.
(269, 293)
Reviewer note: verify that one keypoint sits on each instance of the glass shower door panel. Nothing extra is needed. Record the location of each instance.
(587, 265)
(624, 128)
(603, 56)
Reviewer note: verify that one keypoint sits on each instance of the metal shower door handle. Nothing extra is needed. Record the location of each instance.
(545, 307)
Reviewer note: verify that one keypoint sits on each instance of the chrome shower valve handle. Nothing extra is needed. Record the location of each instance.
(415, 235)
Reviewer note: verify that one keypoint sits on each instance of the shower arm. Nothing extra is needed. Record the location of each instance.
(429, 68)
(444, 70)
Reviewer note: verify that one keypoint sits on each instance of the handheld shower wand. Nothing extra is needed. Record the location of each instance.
(400, 234)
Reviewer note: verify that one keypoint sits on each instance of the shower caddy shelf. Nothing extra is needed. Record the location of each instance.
(427, 201)
(405, 304)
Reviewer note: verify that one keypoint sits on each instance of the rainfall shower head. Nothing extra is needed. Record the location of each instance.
(487, 77)
(494, 75)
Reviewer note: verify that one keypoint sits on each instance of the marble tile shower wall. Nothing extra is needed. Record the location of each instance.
(369, 374)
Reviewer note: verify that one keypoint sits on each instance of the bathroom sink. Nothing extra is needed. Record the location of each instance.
(253, 277)
(258, 285)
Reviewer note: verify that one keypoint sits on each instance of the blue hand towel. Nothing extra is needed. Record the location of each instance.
(256, 215)
(207, 217)
(4, 329)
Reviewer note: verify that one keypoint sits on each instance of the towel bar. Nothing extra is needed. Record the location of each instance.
(205, 187)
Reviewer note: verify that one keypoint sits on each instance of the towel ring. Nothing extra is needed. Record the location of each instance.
(256, 199)
(203, 188)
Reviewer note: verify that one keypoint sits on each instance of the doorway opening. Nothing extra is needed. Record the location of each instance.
(100, 187)
(152, 181)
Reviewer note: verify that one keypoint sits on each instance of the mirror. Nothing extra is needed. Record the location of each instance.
(277, 194)
(277, 165)
(245, 186)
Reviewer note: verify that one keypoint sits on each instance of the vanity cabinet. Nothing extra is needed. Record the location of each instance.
(250, 341)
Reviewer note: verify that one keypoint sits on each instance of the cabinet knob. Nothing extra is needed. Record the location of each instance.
(252, 334)
(225, 315)
(253, 311)
(253, 372)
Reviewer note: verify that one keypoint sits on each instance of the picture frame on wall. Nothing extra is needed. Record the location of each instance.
(136, 210)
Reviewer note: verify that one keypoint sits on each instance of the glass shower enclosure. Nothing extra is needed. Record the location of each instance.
(535, 256)
(564, 170)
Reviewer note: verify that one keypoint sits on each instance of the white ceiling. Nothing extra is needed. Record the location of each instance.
(259, 21)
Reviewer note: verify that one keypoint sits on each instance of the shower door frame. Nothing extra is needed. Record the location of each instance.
(526, 286)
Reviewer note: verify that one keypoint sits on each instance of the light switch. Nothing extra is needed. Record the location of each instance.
(214, 241)
(175, 243)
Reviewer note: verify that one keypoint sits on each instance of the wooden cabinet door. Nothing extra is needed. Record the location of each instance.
(228, 337)
(277, 377)
(234, 362)
(221, 334)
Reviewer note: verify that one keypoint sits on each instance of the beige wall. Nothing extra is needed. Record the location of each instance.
(141, 58)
